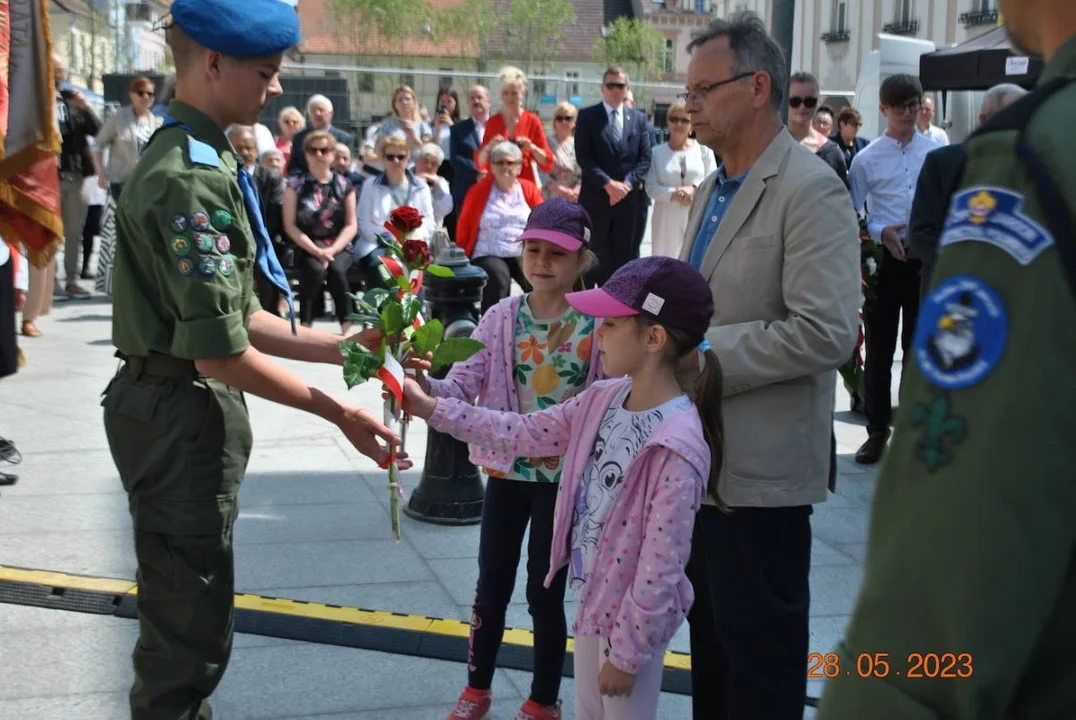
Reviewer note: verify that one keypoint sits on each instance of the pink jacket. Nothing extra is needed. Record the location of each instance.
(644, 594)
(488, 376)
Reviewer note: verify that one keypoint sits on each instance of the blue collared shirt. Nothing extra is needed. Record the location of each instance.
(715, 212)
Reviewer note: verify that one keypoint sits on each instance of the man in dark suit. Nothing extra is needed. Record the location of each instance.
(319, 111)
(464, 138)
(938, 180)
(612, 147)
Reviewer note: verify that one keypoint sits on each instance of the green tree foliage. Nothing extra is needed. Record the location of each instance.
(536, 31)
(474, 23)
(633, 45)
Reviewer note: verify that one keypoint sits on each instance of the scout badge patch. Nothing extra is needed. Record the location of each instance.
(993, 216)
(962, 332)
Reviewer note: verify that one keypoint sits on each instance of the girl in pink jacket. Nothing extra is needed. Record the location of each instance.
(539, 352)
(639, 454)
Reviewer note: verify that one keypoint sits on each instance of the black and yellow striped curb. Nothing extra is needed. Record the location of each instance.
(415, 635)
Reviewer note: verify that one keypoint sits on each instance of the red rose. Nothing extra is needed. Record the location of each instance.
(416, 253)
(405, 219)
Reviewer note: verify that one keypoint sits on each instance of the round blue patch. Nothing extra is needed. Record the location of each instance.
(962, 332)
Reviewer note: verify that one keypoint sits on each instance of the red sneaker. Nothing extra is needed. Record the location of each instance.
(533, 711)
(472, 705)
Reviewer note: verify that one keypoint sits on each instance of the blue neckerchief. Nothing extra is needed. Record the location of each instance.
(266, 257)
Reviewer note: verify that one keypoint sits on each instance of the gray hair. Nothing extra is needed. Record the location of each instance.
(1001, 96)
(752, 47)
(319, 100)
(506, 148)
(431, 150)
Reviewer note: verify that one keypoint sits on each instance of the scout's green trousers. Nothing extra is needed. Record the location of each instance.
(181, 446)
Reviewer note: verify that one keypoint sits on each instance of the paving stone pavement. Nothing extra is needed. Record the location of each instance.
(313, 526)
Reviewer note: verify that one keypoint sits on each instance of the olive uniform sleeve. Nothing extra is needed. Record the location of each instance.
(968, 603)
(202, 263)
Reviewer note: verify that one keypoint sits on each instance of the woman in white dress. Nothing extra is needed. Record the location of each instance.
(676, 169)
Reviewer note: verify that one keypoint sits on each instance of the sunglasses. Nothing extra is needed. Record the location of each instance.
(320, 150)
(564, 118)
(144, 93)
(912, 106)
(807, 102)
(615, 85)
(679, 120)
(395, 158)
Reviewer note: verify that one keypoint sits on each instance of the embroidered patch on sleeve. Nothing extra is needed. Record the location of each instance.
(962, 332)
(941, 432)
(994, 216)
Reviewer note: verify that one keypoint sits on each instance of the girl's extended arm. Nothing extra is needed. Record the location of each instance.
(539, 434)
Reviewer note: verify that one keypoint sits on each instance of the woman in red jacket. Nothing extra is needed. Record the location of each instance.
(517, 125)
(494, 215)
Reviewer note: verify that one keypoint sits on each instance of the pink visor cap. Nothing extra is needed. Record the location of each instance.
(561, 222)
(666, 289)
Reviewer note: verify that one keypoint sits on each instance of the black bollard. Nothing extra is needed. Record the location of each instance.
(450, 491)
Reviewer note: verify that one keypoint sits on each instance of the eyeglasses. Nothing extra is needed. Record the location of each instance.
(144, 93)
(320, 150)
(395, 158)
(506, 163)
(679, 120)
(912, 106)
(692, 96)
(615, 85)
(564, 118)
(807, 102)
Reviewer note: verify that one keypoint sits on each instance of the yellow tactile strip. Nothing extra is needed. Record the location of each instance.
(298, 608)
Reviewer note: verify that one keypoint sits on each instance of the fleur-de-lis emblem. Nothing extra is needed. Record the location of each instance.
(981, 206)
(941, 431)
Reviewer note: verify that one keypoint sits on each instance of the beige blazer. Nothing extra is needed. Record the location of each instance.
(784, 267)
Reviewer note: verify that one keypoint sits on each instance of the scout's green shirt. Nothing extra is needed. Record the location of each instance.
(970, 571)
(183, 276)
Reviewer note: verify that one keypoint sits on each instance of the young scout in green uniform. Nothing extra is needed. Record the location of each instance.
(194, 339)
(968, 605)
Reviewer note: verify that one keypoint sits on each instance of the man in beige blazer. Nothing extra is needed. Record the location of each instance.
(774, 233)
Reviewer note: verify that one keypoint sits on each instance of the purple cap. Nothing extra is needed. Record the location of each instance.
(559, 221)
(666, 289)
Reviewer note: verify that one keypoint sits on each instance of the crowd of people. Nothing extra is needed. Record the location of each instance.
(663, 425)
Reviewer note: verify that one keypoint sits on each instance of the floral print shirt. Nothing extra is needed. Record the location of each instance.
(552, 361)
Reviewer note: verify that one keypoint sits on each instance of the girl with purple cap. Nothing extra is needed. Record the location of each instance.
(539, 352)
(639, 452)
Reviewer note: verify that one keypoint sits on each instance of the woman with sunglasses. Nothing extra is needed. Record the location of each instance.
(319, 217)
(566, 177)
(676, 169)
(125, 135)
(396, 187)
(515, 124)
(803, 91)
(494, 216)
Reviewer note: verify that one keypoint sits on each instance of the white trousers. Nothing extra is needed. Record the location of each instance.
(642, 704)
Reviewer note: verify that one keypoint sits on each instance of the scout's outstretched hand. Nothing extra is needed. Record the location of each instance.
(363, 430)
(416, 401)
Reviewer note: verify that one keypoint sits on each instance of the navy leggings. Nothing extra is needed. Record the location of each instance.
(507, 508)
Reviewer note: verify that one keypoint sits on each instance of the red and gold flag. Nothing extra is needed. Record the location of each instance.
(29, 136)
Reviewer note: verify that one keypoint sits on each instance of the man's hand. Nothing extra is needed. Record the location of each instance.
(20, 300)
(891, 240)
(370, 338)
(617, 191)
(102, 181)
(363, 431)
(614, 682)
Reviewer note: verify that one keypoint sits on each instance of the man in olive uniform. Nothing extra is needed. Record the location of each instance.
(194, 339)
(968, 605)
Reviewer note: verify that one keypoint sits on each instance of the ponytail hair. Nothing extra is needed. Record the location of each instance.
(707, 391)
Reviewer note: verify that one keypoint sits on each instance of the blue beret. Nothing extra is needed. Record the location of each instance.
(240, 28)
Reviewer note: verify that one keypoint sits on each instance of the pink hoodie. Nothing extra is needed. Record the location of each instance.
(639, 593)
(488, 376)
